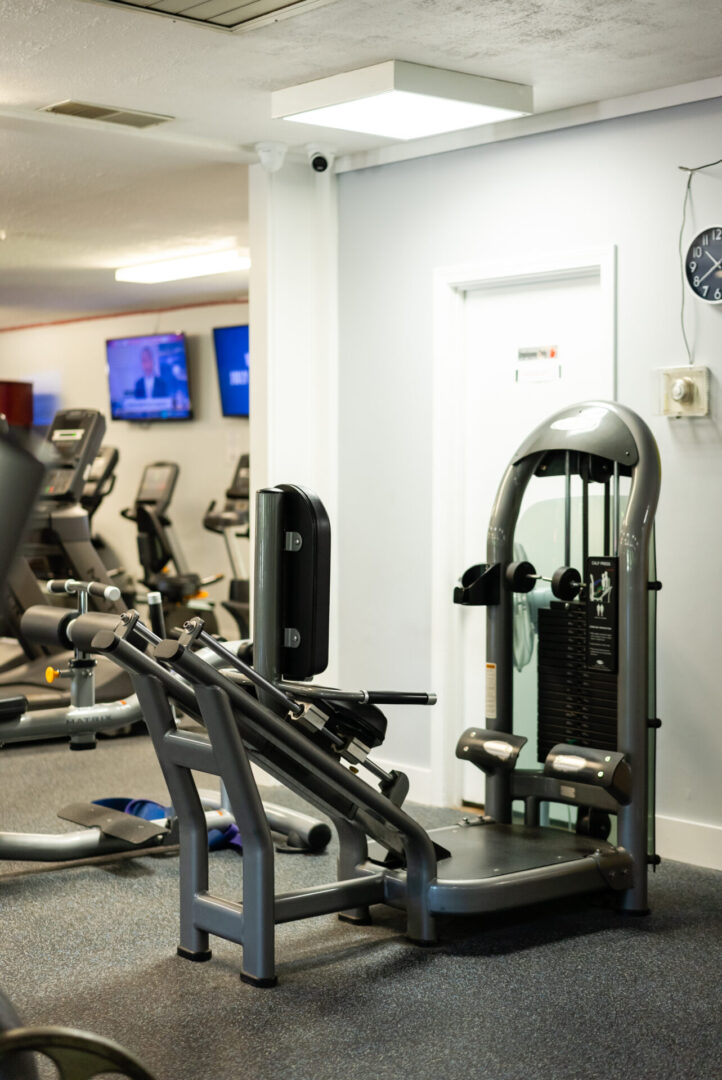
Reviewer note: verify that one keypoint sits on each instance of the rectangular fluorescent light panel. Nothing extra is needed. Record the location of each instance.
(398, 100)
(190, 266)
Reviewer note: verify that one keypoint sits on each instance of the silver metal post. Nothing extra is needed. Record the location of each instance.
(615, 512)
(82, 679)
(633, 540)
(499, 626)
(567, 510)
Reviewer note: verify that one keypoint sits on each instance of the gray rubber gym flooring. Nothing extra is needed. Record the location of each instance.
(571, 990)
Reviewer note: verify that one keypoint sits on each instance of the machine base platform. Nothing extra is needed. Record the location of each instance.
(493, 867)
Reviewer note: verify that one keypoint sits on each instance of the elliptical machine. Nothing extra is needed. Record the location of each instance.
(165, 569)
(57, 545)
(233, 523)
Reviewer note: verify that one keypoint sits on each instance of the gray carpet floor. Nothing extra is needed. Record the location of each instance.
(570, 990)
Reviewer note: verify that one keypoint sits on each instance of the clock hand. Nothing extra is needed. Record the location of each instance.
(715, 264)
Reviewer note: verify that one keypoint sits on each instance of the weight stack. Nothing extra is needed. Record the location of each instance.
(576, 704)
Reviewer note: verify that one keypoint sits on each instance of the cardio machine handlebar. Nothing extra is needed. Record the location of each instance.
(91, 588)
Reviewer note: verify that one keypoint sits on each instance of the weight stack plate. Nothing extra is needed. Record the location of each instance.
(576, 705)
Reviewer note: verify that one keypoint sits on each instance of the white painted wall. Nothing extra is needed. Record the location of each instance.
(293, 217)
(617, 183)
(206, 448)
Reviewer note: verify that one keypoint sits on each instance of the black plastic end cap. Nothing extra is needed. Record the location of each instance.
(319, 837)
(263, 984)
(168, 650)
(12, 708)
(196, 957)
(357, 920)
(104, 641)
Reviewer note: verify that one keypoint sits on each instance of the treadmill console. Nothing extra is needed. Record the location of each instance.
(157, 485)
(72, 443)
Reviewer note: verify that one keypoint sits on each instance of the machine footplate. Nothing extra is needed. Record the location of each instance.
(133, 830)
(493, 867)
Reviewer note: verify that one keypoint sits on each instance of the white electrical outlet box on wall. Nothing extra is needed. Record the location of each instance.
(684, 391)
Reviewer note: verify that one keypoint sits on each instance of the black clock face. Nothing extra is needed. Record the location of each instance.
(703, 266)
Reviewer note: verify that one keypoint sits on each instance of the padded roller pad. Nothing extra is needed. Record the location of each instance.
(606, 769)
(47, 624)
(85, 627)
(491, 751)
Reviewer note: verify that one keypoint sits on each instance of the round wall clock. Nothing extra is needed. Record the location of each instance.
(703, 266)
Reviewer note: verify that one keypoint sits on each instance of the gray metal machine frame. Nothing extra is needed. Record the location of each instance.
(614, 432)
(473, 867)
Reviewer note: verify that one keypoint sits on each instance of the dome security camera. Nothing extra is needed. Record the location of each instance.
(271, 155)
(320, 157)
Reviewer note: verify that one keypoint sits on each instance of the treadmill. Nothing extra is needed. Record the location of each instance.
(58, 545)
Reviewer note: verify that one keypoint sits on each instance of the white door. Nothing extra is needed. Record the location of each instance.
(531, 347)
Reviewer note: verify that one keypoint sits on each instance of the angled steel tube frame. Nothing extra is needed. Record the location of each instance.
(287, 754)
(252, 923)
(371, 811)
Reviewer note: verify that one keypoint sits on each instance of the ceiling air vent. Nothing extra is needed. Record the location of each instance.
(222, 14)
(107, 113)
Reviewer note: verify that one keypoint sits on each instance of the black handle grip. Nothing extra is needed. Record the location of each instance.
(57, 585)
(397, 697)
(156, 613)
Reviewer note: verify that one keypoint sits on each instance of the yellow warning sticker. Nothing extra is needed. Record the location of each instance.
(491, 691)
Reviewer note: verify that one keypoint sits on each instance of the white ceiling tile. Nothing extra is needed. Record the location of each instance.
(76, 201)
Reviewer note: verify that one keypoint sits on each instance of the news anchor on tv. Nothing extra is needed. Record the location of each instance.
(149, 385)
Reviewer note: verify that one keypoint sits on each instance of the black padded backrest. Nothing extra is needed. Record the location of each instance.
(306, 583)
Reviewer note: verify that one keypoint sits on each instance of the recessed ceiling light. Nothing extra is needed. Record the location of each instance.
(189, 266)
(398, 100)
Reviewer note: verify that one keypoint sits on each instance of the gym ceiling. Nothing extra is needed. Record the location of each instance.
(80, 197)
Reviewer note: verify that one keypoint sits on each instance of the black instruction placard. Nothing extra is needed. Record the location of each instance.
(602, 592)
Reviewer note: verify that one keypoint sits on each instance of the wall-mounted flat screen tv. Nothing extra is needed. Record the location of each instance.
(148, 378)
(231, 343)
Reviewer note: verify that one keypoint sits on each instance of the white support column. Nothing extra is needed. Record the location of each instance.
(293, 337)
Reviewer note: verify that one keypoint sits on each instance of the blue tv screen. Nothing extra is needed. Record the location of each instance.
(148, 378)
(231, 343)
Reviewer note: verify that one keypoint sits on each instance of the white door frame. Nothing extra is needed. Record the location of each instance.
(448, 483)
